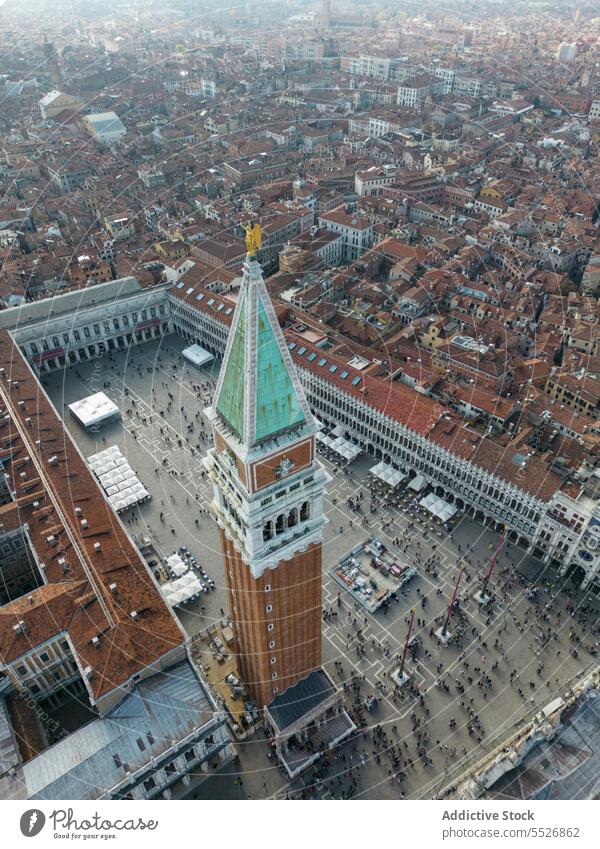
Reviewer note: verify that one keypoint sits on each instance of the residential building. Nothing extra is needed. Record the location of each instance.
(104, 127)
(356, 230)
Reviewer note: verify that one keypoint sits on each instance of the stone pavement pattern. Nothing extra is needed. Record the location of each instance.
(414, 744)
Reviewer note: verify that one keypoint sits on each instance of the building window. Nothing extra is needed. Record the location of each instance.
(44, 657)
(21, 670)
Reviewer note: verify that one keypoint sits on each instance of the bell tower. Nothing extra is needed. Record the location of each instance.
(52, 62)
(268, 496)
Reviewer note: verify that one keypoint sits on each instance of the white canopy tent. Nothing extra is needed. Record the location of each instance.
(176, 565)
(388, 474)
(346, 449)
(120, 483)
(438, 507)
(181, 590)
(418, 483)
(197, 355)
(336, 442)
(94, 410)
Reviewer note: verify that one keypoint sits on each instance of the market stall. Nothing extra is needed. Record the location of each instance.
(120, 483)
(94, 410)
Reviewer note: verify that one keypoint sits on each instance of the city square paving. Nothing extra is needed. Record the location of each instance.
(415, 743)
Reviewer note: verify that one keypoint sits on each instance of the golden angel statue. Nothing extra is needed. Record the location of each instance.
(253, 238)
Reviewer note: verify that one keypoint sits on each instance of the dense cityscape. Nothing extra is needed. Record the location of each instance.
(299, 400)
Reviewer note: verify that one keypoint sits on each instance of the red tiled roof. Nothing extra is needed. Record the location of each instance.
(425, 416)
(77, 597)
(400, 402)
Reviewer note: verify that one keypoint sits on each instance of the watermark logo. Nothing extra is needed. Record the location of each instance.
(32, 822)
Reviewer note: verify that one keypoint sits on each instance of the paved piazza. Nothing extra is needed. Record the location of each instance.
(414, 745)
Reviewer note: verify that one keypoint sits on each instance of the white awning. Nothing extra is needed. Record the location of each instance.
(388, 474)
(418, 483)
(438, 507)
(346, 449)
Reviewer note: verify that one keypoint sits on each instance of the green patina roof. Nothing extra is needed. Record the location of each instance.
(231, 397)
(277, 404)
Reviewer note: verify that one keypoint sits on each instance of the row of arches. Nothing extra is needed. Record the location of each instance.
(275, 527)
(481, 517)
(443, 470)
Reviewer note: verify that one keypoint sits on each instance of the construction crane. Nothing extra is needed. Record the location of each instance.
(493, 560)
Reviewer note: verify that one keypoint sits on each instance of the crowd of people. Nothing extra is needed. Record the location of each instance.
(528, 640)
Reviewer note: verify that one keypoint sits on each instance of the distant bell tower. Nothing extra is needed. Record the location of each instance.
(268, 496)
(52, 62)
(326, 13)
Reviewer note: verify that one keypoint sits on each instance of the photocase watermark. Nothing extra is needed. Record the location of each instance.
(31, 703)
(32, 822)
(65, 825)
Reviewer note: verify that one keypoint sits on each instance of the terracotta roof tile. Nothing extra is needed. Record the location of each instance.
(77, 597)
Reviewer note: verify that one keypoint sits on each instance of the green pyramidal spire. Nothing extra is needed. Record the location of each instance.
(278, 406)
(231, 398)
(258, 393)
